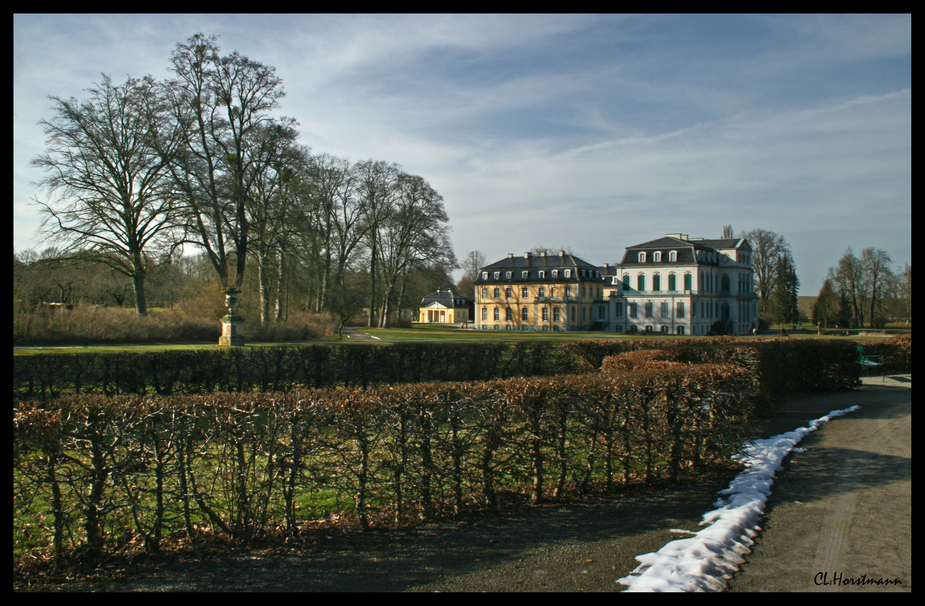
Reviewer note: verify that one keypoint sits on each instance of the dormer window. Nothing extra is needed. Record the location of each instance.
(642, 257)
(672, 255)
(497, 275)
(555, 273)
(657, 257)
(542, 274)
(524, 274)
(484, 275)
(568, 273)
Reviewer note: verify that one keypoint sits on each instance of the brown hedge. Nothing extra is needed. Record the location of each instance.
(147, 467)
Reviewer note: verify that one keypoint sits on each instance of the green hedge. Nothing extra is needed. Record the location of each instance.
(281, 368)
(786, 365)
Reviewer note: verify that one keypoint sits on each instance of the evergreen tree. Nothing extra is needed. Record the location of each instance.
(826, 307)
(785, 302)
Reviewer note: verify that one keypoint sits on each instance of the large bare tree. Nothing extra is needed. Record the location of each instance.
(225, 105)
(109, 187)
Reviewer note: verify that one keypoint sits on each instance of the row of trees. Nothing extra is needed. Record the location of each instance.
(859, 291)
(864, 290)
(140, 171)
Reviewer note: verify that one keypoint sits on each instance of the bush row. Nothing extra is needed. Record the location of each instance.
(282, 368)
(786, 366)
(780, 367)
(92, 472)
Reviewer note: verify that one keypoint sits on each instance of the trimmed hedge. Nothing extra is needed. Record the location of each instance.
(281, 368)
(786, 365)
(92, 472)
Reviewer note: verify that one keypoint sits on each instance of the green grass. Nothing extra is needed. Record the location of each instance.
(426, 332)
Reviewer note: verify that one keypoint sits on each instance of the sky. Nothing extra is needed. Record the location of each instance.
(587, 133)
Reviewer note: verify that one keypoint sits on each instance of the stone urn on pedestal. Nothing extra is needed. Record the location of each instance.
(231, 322)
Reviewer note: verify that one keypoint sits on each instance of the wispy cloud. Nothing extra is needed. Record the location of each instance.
(592, 132)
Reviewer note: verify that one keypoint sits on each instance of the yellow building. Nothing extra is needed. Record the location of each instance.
(542, 291)
(445, 307)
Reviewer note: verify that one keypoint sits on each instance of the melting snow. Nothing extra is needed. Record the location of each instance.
(706, 560)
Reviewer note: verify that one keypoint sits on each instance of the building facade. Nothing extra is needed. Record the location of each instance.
(445, 307)
(543, 291)
(683, 286)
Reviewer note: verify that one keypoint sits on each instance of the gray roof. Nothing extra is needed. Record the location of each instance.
(685, 247)
(533, 263)
(447, 298)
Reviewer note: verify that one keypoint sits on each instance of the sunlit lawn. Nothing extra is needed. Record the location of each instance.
(423, 332)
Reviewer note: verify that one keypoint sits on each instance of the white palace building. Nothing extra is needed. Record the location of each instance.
(676, 284)
(684, 286)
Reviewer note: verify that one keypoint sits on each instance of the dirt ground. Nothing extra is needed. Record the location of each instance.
(840, 511)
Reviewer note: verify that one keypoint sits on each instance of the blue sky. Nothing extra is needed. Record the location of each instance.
(585, 132)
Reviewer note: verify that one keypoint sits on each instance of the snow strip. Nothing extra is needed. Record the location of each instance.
(706, 560)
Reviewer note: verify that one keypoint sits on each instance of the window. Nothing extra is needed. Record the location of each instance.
(656, 282)
(680, 312)
(556, 314)
(640, 282)
(642, 257)
(657, 256)
(484, 293)
(648, 309)
(524, 274)
(665, 310)
(507, 275)
(568, 273)
(545, 314)
(484, 275)
(618, 310)
(568, 291)
(600, 313)
(555, 273)
(524, 314)
(497, 314)
(632, 308)
(687, 281)
(525, 292)
(484, 314)
(541, 291)
(672, 255)
(672, 283)
(542, 275)
(508, 292)
(497, 275)
(497, 292)
(508, 315)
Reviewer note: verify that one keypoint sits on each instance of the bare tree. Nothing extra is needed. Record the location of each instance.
(112, 194)
(851, 279)
(376, 183)
(767, 247)
(224, 103)
(415, 234)
(876, 263)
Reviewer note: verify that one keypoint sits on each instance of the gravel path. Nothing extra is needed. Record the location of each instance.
(843, 507)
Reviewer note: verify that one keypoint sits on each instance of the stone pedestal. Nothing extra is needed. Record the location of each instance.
(231, 322)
